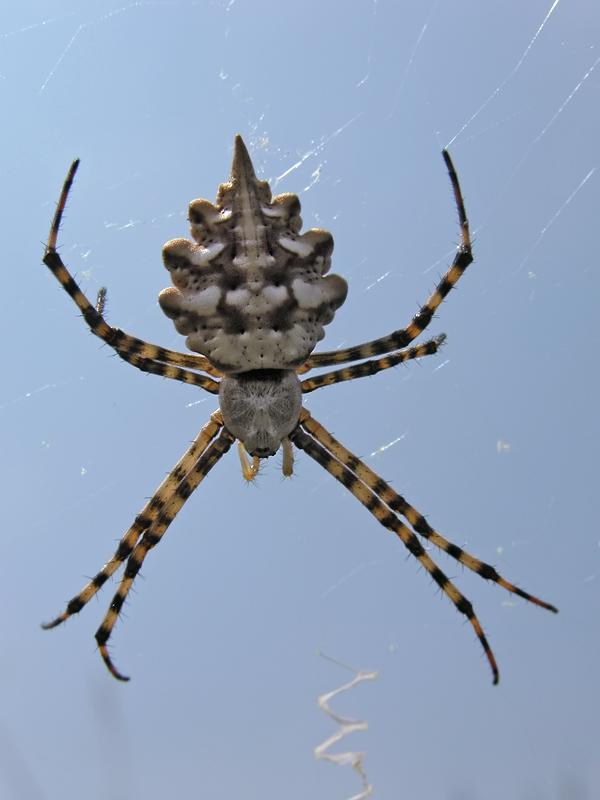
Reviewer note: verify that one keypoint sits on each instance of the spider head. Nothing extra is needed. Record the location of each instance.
(261, 408)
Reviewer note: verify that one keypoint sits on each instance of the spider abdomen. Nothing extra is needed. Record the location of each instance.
(251, 292)
(261, 408)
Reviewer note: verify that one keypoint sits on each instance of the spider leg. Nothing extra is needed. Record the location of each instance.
(174, 357)
(367, 368)
(143, 355)
(152, 536)
(144, 520)
(397, 503)
(403, 337)
(344, 472)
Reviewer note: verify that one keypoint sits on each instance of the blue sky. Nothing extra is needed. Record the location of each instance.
(495, 440)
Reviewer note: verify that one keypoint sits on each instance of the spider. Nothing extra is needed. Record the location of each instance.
(252, 296)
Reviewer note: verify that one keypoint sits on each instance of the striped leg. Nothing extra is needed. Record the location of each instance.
(398, 504)
(152, 536)
(168, 488)
(367, 368)
(381, 500)
(402, 338)
(144, 356)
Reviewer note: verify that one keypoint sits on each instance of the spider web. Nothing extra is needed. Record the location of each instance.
(494, 440)
(347, 726)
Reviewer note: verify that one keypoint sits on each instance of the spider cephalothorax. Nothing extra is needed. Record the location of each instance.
(252, 296)
(261, 408)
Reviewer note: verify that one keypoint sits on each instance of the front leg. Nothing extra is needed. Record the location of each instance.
(143, 355)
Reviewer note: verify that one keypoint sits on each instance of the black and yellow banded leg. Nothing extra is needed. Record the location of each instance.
(144, 519)
(167, 370)
(397, 503)
(367, 368)
(174, 357)
(403, 337)
(143, 355)
(152, 536)
(389, 520)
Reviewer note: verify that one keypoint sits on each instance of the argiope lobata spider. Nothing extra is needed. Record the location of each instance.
(252, 296)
